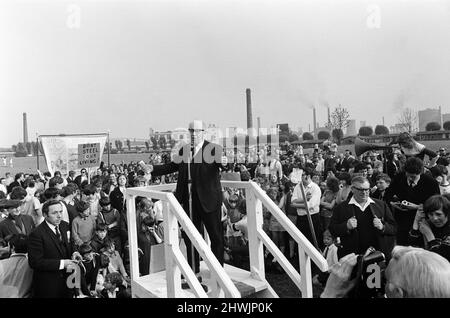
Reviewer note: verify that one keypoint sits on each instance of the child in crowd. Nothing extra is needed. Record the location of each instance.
(89, 267)
(114, 287)
(115, 261)
(111, 217)
(440, 174)
(328, 201)
(275, 228)
(101, 235)
(383, 182)
(90, 192)
(330, 254)
(233, 214)
(83, 226)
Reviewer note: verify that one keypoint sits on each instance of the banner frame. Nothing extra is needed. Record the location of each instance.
(70, 135)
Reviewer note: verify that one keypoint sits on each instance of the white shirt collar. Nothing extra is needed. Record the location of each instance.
(361, 207)
(113, 293)
(51, 226)
(415, 182)
(198, 147)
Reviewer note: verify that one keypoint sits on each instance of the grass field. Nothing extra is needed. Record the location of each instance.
(29, 164)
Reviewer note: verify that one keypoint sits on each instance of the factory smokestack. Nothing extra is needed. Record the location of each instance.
(259, 123)
(314, 119)
(329, 117)
(25, 128)
(249, 109)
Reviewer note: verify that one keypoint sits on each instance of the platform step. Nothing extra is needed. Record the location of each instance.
(154, 285)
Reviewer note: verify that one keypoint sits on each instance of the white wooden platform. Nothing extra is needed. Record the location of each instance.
(154, 285)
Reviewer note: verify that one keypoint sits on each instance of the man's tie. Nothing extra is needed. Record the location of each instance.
(58, 234)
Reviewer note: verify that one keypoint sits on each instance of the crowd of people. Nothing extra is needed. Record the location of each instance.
(355, 205)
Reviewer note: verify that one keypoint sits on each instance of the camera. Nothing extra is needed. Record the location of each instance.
(364, 275)
(371, 256)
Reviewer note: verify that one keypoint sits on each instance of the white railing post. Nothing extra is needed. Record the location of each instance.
(171, 242)
(132, 236)
(255, 245)
(305, 274)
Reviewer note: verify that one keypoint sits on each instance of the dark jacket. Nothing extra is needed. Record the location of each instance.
(9, 225)
(205, 177)
(117, 199)
(385, 239)
(440, 244)
(44, 255)
(377, 195)
(425, 188)
(72, 211)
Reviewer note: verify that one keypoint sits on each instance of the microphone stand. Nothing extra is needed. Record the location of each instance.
(190, 158)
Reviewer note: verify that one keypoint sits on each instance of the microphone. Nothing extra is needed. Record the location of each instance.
(192, 143)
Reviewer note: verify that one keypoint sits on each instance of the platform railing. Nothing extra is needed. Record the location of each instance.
(176, 263)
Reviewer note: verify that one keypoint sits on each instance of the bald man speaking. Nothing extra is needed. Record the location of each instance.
(206, 190)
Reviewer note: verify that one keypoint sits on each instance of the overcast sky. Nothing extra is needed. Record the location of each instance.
(127, 66)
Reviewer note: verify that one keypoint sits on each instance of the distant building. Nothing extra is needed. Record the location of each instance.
(445, 117)
(397, 128)
(429, 115)
(351, 128)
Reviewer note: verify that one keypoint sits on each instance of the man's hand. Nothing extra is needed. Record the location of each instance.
(420, 215)
(68, 263)
(339, 283)
(76, 256)
(378, 224)
(410, 206)
(425, 229)
(147, 168)
(352, 223)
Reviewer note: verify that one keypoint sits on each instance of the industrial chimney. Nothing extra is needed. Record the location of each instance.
(329, 118)
(314, 119)
(25, 128)
(249, 109)
(259, 123)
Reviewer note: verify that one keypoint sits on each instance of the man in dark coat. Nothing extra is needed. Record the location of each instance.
(15, 223)
(49, 254)
(362, 222)
(206, 188)
(18, 180)
(414, 187)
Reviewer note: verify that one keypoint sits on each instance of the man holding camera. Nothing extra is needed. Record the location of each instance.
(431, 274)
(362, 222)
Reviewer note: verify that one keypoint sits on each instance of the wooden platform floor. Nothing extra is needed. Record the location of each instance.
(154, 285)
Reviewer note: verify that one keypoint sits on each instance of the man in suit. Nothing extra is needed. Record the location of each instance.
(18, 180)
(71, 177)
(15, 222)
(49, 254)
(362, 222)
(206, 188)
(413, 186)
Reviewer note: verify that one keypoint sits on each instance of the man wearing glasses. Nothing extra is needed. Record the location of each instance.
(362, 222)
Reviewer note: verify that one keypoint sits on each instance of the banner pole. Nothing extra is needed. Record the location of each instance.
(37, 154)
(109, 151)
